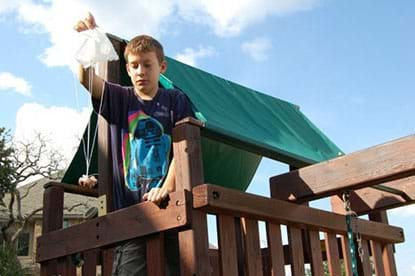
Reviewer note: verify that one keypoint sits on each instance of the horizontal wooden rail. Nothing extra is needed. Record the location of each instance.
(376, 165)
(131, 222)
(218, 199)
(73, 189)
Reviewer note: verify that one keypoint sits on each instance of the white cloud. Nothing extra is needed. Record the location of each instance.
(7, 5)
(62, 127)
(8, 81)
(406, 211)
(231, 17)
(257, 48)
(57, 18)
(190, 56)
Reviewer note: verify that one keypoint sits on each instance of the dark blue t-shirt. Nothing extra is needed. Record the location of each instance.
(140, 138)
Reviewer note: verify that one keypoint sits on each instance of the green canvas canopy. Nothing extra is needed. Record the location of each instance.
(245, 125)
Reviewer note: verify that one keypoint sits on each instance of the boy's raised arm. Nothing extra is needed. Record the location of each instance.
(84, 74)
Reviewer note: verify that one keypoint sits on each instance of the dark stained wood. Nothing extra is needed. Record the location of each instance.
(276, 249)
(52, 220)
(366, 267)
(376, 250)
(316, 258)
(90, 262)
(296, 250)
(155, 255)
(228, 261)
(66, 267)
(73, 189)
(193, 243)
(107, 259)
(333, 259)
(218, 199)
(113, 74)
(344, 242)
(388, 258)
(106, 230)
(368, 200)
(253, 255)
(375, 165)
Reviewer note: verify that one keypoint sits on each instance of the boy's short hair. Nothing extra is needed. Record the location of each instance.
(144, 44)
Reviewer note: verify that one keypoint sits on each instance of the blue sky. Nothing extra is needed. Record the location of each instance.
(349, 65)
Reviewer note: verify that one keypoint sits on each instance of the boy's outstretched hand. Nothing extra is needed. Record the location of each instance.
(156, 195)
(88, 23)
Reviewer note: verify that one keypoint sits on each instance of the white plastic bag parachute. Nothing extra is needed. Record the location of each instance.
(94, 47)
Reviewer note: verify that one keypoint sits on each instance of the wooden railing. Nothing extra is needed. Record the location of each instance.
(239, 251)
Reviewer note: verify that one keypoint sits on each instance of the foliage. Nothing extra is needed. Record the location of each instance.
(6, 166)
(9, 265)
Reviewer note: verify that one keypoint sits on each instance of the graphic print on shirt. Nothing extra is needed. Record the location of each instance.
(145, 152)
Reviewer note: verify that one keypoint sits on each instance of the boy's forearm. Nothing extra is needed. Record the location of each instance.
(97, 82)
(170, 182)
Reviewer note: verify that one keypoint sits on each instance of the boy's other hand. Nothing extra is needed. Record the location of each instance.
(88, 23)
(156, 195)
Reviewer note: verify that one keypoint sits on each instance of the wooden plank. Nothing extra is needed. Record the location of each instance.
(194, 248)
(155, 255)
(73, 189)
(296, 250)
(333, 259)
(275, 248)
(107, 259)
(66, 267)
(106, 230)
(89, 267)
(375, 165)
(228, 261)
(253, 255)
(368, 200)
(344, 241)
(316, 258)
(193, 243)
(377, 258)
(387, 249)
(365, 265)
(218, 199)
(52, 220)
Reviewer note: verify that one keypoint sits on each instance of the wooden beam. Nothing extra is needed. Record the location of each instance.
(367, 200)
(142, 219)
(220, 200)
(73, 189)
(375, 165)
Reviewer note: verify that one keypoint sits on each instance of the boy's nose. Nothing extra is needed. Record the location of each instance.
(139, 70)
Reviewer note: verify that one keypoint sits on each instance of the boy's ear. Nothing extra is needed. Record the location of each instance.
(163, 67)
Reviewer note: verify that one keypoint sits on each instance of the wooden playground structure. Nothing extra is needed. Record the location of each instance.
(376, 179)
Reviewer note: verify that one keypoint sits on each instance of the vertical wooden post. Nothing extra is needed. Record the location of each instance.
(112, 71)
(193, 243)
(52, 220)
(387, 249)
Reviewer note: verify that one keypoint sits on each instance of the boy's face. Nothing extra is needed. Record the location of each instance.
(144, 70)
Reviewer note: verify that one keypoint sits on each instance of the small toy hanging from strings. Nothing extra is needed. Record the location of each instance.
(95, 48)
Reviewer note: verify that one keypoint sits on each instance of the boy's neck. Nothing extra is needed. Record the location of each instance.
(145, 96)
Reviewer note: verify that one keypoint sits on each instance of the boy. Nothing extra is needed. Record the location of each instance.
(141, 119)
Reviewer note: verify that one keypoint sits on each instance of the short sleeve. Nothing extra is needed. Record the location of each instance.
(114, 101)
(183, 107)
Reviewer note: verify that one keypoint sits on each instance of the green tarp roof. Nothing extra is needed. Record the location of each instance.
(267, 125)
(249, 124)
